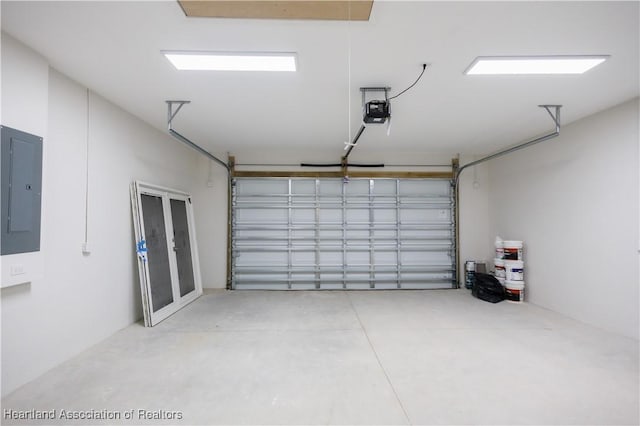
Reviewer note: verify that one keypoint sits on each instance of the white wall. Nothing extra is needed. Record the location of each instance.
(210, 210)
(78, 300)
(574, 201)
(473, 195)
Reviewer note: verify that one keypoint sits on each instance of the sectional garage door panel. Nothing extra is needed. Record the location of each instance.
(302, 233)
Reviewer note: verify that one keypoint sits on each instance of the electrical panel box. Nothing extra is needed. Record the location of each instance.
(21, 183)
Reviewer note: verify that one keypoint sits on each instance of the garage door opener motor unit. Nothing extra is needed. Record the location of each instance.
(376, 111)
(379, 111)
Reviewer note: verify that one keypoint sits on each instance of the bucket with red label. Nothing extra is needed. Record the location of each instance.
(514, 291)
(513, 250)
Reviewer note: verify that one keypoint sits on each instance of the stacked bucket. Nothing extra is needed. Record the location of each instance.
(509, 268)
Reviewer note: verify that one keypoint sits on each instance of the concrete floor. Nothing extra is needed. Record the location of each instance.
(395, 357)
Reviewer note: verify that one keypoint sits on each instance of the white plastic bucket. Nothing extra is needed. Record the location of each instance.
(513, 250)
(514, 270)
(499, 248)
(500, 272)
(515, 291)
(501, 281)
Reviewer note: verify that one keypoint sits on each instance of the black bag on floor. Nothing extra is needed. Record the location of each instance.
(486, 287)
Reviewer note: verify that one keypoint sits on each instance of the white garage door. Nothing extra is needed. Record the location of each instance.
(304, 234)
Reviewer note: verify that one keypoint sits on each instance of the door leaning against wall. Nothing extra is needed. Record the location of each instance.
(167, 253)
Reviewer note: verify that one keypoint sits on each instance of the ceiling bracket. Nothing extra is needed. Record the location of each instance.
(554, 116)
(365, 90)
(170, 113)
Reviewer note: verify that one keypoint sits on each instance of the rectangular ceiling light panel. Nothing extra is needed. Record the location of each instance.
(231, 61)
(513, 65)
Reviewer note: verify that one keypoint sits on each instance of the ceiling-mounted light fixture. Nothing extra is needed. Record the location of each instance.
(232, 61)
(574, 64)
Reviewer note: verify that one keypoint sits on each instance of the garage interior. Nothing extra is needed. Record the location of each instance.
(289, 247)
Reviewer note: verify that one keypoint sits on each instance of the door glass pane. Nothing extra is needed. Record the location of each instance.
(182, 246)
(157, 253)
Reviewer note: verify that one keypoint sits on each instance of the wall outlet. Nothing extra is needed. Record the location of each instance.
(17, 269)
(86, 249)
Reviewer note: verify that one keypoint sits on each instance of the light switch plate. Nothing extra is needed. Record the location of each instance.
(17, 269)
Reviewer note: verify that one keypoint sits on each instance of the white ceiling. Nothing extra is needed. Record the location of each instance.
(114, 49)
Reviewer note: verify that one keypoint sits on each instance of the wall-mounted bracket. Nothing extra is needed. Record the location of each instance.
(344, 167)
(171, 114)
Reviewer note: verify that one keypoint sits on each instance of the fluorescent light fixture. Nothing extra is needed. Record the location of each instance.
(533, 64)
(232, 61)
